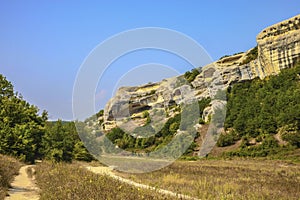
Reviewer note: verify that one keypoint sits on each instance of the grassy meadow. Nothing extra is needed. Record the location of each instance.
(204, 179)
(72, 181)
(227, 179)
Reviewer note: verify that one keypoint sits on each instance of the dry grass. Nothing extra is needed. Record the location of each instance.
(9, 167)
(71, 181)
(227, 179)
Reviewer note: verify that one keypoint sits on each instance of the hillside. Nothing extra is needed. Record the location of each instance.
(154, 113)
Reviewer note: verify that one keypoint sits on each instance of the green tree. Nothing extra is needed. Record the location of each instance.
(256, 109)
(21, 127)
(81, 153)
(58, 144)
(6, 88)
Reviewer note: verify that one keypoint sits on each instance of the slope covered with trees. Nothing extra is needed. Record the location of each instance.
(259, 109)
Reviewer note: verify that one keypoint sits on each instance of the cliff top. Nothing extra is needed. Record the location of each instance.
(280, 28)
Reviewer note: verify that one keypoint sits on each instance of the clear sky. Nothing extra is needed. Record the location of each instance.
(43, 43)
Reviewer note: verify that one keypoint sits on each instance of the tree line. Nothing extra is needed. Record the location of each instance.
(27, 135)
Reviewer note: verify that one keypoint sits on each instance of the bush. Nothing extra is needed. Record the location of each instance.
(227, 139)
(203, 103)
(9, 167)
(252, 55)
(293, 138)
(100, 113)
(114, 134)
(191, 75)
(268, 147)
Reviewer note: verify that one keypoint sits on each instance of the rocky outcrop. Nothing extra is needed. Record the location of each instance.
(278, 47)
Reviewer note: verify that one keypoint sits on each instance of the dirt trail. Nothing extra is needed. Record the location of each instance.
(108, 171)
(23, 187)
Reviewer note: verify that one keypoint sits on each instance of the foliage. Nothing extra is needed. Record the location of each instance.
(259, 108)
(147, 116)
(228, 139)
(252, 55)
(262, 106)
(149, 139)
(293, 138)
(191, 75)
(26, 135)
(57, 143)
(225, 56)
(269, 146)
(6, 88)
(145, 139)
(114, 134)
(152, 92)
(100, 113)
(203, 103)
(21, 127)
(62, 143)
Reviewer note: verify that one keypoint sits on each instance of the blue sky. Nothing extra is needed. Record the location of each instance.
(44, 43)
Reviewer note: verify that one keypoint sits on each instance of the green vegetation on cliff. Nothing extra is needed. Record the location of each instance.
(159, 139)
(191, 75)
(252, 55)
(259, 109)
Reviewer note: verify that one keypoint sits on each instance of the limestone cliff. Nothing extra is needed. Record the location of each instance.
(278, 47)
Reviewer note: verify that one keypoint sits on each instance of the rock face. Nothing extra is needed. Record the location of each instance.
(130, 103)
(278, 47)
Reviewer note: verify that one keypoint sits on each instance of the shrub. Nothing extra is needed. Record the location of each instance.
(9, 167)
(100, 113)
(191, 75)
(227, 139)
(252, 55)
(203, 103)
(293, 138)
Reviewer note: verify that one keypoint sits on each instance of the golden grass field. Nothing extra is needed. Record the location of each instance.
(202, 179)
(227, 179)
(74, 182)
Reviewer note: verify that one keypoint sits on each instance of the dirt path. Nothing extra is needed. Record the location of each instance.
(108, 171)
(23, 187)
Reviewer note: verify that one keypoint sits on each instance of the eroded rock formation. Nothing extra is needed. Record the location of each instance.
(278, 47)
